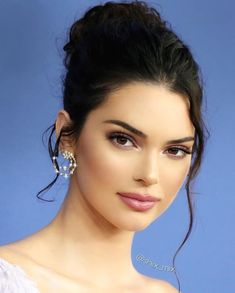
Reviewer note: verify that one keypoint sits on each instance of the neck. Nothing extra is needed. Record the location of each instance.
(87, 244)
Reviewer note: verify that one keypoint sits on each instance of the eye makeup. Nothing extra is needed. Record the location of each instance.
(121, 136)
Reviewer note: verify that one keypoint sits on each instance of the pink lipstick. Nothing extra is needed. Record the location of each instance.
(139, 202)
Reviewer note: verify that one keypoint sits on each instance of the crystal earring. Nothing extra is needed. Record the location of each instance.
(64, 169)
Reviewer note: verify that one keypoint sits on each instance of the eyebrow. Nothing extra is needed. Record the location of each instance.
(143, 135)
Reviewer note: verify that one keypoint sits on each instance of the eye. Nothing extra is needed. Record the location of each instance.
(178, 152)
(121, 138)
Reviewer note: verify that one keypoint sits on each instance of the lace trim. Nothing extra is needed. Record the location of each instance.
(13, 279)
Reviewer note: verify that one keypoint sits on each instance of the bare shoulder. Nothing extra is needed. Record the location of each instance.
(24, 247)
(161, 286)
(9, 252)
(5, 250)
(167, 287)
(16, 252)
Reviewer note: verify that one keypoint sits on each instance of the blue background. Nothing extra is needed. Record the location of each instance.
(32, 34)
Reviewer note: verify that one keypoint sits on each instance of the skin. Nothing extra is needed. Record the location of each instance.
(93, 231)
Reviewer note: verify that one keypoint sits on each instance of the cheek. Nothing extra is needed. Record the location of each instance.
(173, 178)
(102, 164)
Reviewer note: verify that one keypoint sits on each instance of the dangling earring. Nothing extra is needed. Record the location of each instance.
(62, 169)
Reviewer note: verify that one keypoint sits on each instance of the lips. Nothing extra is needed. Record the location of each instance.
(140, 197)
(137, 201)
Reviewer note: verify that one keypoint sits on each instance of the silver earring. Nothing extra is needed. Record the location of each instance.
(63, 169)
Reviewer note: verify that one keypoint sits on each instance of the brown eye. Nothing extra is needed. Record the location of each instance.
(121, 138)
(174, 151)
(178, 152)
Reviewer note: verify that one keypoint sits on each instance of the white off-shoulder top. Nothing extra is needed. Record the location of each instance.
(13, 279)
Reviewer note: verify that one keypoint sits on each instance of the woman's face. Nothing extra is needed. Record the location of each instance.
(150, 164)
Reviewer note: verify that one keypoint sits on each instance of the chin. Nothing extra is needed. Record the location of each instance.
(134, 225)
(136, 228)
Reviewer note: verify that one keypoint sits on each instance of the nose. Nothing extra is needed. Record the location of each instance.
(148, 170)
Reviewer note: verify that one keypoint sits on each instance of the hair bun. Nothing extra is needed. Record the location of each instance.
(74, 36)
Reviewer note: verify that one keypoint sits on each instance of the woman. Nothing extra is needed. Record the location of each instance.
(131, 132)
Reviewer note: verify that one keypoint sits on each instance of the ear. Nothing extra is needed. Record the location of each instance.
(63, 120)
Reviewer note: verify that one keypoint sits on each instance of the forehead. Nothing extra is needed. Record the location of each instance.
(148, 107)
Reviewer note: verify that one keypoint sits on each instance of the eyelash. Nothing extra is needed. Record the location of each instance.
(115, 135)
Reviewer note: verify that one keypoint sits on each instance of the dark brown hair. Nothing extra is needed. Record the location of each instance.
(117, 43)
